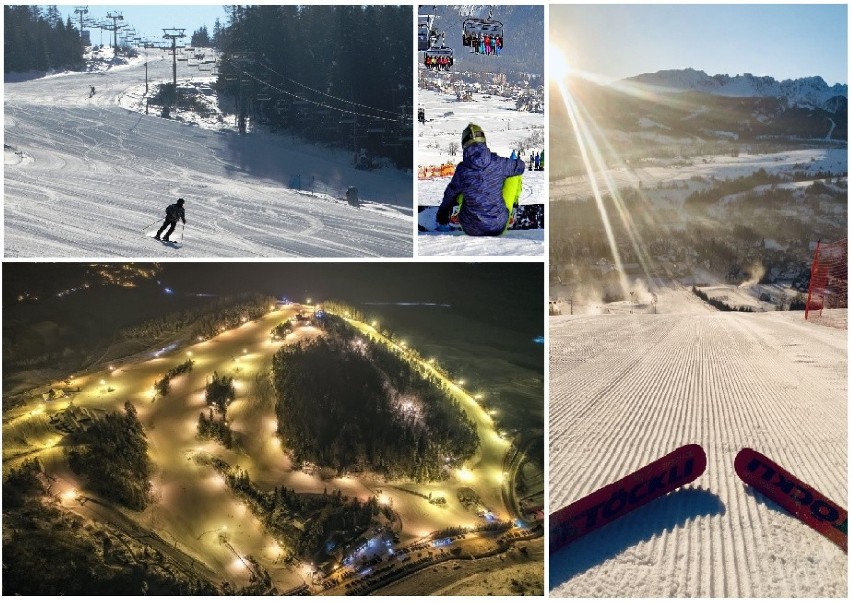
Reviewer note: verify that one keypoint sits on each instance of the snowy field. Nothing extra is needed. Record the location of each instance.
(505, 129)
(85, 176)
(719, 166)
(626, 389)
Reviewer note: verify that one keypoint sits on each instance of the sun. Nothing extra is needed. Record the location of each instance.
(558, 66)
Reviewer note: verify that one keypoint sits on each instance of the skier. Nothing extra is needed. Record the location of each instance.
(514, 155)
(484, 189)
(421, 115)
(92, 92)
(174, 212)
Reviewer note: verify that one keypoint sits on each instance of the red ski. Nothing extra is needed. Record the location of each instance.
(619, 498)
(804, 501)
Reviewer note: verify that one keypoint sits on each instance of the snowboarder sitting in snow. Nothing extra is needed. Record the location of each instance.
(483, 190)
(174, 212)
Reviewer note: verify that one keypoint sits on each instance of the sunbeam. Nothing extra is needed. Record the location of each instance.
(583, 136)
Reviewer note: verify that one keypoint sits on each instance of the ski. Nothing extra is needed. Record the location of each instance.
(802, 500)
(527, 217)
(172, 244)
(619, 498)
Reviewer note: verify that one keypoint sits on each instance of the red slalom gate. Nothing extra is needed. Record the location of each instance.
(802, 500)
(603, 506)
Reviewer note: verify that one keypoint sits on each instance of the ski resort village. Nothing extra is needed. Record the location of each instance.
(698, 328)
(500, 89)
(303, 152)
(198, 439)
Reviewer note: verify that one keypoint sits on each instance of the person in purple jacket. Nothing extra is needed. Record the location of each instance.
(479, 188)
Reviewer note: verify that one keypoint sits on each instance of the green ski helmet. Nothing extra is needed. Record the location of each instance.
(472, 134)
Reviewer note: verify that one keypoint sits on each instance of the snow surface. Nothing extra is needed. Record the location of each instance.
(505, 129)
(97, 174)
(626, 389)
(720, 167)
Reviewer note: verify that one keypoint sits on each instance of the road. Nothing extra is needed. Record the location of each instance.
(193, 507)
(83, 178)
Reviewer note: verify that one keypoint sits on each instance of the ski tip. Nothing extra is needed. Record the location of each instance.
(696, 452)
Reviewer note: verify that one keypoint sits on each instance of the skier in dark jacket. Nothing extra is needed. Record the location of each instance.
(479, 178)
(174, 212)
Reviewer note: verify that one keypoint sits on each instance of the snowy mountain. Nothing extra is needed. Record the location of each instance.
(679, 106)
(807, 92)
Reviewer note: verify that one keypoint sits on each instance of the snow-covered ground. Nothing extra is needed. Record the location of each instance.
(192, 502)
(505, 129)
(84, 177)
(718, 166)
(626, 389)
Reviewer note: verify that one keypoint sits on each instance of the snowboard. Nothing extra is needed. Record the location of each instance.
(527, 217)
(619, 498)
(802, 500)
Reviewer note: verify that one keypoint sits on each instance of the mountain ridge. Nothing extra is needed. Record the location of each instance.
(805, 92)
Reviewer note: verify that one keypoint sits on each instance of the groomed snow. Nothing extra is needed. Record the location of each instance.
(505, 129)
(97, 174)
(626, 389)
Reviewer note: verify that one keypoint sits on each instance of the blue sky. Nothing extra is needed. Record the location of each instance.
(150, 20)
(784, 41)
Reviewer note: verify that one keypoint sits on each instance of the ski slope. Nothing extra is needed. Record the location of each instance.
(505, 129)
(627, 389)
(84, 176)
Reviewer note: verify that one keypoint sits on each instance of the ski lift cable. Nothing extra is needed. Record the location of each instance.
(343, 100)
(318, 104)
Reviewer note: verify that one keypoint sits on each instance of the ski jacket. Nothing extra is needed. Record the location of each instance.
(479, 177)
(174, 212)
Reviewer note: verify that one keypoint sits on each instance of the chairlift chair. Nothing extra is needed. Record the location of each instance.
(478, 27)
(440, 51)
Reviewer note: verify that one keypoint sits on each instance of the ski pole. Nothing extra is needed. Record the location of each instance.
(150, 225)
(182, 228)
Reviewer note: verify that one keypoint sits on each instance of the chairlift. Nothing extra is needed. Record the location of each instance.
(426, 34)
(475, 27)
(438, 52)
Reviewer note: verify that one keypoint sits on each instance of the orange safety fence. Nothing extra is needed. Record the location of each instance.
(435, 171)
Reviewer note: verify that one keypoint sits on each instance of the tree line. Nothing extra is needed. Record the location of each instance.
(204, 321)
(349, 66)
(113, 457)
(37, 39)
(352, 405)
(322, 519)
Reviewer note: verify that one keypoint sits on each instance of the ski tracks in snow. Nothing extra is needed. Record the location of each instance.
(99, 174)
(627, 389)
